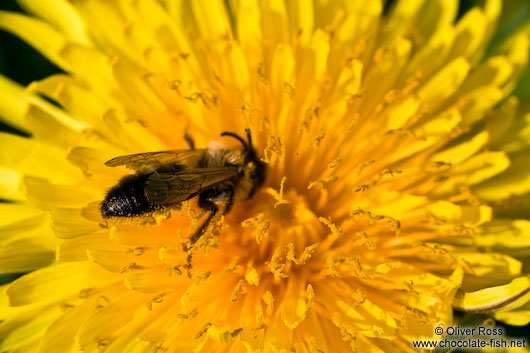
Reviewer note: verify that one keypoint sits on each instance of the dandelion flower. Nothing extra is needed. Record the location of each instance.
(397, 161)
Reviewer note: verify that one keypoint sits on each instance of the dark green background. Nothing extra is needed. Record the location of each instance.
(23, 64)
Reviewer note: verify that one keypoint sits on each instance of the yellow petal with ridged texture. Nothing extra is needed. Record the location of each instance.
(44, 194)
(24, 255)
(433, 15)
(34, 158)
(501, 298)
(444, 83)
(494, 72)
(11, 185)
(301, 19)
(47, 129)
(59, 336)
(26, 336)
(469, 36)
(61, 14)
(460, 153)
(214, 24)
(13, 213)
(400, 18)
(510, 237)
(431, 57)
(70, 223)
(37, 33)
(234, 72)
(517, 317)
(56, 282)
(75, 249)
(514, 181)
(275, 23)
(72, 96)
(13, 104)
(249, 31)
(99, 329)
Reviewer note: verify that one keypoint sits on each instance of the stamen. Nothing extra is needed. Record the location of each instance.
(237, 290)
(154, 300)
(203, 330)
(291, 254)
(278, 196)
(269, 301)
(336, 231)
(309, 251)
(252, 275)
(262, 226)
(310, 297)
(347, 336)
(276, 266)
(274, 147)
(337, 160)
(315, 141)
(323, 182)
(232, 266)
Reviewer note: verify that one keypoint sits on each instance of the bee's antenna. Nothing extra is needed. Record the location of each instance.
(249, 137)
(237, 137)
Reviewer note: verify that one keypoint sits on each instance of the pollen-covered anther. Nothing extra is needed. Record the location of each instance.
(102, 301)
(309, 115)
(323, 182)
(315, 141)
(203, 330)
(138, 251)
(275, 147)
(252, 275)
(364, 240)
(309, 251)
(269, 299)
(232, 266)
(334, 163)
(335, 231)
(155, 300)
(262, 226)
(129, 267)
(352, 263)
(347, 336)
(277, 265)
(239, 289)
(291, 254)
(278, 196)
(310, 294)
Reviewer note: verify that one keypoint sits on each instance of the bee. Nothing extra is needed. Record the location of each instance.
(218, 175)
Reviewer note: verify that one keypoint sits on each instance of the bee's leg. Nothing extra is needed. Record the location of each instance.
(208, 206)
(189, 141)
(229, 201)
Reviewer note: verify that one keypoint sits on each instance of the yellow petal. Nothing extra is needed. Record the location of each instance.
(43, 194)
(24, 255)
(470, 32)
(13, 104)
(61, 14)
(56, 282)
(11, 185)
(214, 23)
(70, 223)
(517, 317)
(501, 298)
(444, 83)
(34, 158)
(37, 33)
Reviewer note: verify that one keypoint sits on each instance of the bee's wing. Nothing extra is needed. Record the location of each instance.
(151, 161)
(164, 188)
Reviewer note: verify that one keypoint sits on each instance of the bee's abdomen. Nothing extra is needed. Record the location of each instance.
(127, 198)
